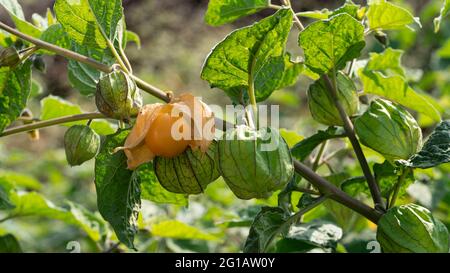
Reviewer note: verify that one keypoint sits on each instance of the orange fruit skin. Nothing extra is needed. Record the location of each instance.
(159, 138)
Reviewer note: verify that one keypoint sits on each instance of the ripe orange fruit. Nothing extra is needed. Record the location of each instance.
(160, 138)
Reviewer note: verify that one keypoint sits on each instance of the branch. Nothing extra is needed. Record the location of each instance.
(51, 122)
(333, 192)
(350, 130)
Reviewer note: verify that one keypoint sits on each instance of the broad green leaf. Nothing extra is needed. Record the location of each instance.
(179, 230)
(291, 137)
(305, 147)
(91, 223)
(305, 237)
(153, 191)
(388, 62)
(224, 11)
(355, 185)
(20, 180)
(133, 37)
(34, 204)
(9, 244)
(267, 224)
(83, 77)
(383, 15)
(251, 55)
(55, 107)
(15, 11)
(329, 44)
(384, 76)
(15, 86)
(56, 35)
(436, 149)
(444, 12)
(86, 20)
(118, 190)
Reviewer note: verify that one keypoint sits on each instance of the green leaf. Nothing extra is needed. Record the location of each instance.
(444, 12)
(20, 180)
(55, 107)
(329, 44)
(315, 14)
(91, 223)
(56, 35)
(34, 204)
(252, 55)
(349, 7)
(436, 149)
(384, 76)
(15, 86)
(15, 12)
(84, 77)
(387, 62)
(387, 176)
(153, 191)
(133, 37)
(5, 203)
(9, 244)
(383, 15)
(178, 230)
(118, 190)
(292, 70)
(316, 234)
(224, 11)
(305, 147)
(265, 227)
(85, 20)
(291, 137)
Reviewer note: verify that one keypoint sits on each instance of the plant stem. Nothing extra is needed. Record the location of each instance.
(305, 190)
(319, 155)
(350, 130)
(297, 21)
(60, 51)
(51, 122)
(400, 181)
(335, 193)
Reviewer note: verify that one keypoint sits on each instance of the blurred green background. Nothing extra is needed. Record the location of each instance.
(175, 42)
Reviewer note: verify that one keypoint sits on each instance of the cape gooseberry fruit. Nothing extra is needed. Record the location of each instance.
(9, 57)
(254, 163)
(81, 144)
(389, 129)
(411, 229)
(160, 139)
(187, 173)
(322, 106)
(117, 96)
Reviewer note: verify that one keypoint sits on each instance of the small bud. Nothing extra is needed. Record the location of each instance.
(117, 96)
(9, 57)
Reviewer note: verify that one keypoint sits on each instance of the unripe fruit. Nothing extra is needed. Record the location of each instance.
(117, 96)
(389, 129)
(81, 144)
(322, 106)
(9, 57)
(189, 172)
(257, 166)
(411, 229)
